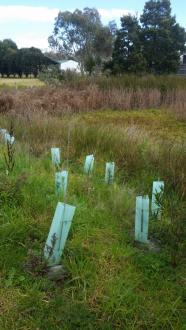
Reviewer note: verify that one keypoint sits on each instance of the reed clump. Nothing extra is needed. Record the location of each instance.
(64, 100)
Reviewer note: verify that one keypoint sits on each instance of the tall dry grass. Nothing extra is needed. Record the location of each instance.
(63, 100)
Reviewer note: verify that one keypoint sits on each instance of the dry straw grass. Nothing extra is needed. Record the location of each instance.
(57, 101)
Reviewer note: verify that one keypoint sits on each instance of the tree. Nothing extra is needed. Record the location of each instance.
(37, 59)
(81, 36)
(27, 61)
(162, 38)
(127, 52)
(30, 61)
(8, 51)
(9, 44)
(113, 27)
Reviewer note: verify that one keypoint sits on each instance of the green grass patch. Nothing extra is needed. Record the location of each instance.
(20, 83)
(111, 282)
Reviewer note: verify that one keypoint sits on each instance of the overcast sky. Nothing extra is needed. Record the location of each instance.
(29, 23)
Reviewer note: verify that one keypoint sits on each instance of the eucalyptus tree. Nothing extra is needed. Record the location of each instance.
(81, 36)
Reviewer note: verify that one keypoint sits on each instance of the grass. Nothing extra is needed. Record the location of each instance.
(57, 101)
(120, 82)
(20, 83)
(112, 283)
(153, 121)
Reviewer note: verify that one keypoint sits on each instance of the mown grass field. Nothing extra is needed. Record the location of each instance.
(112, 282)
(20, 82)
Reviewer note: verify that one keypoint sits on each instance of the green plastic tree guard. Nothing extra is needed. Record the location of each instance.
(58, 233)
(157, 192)
(142, 219)
(61, 181)
(109, 172)
(89, 164)
(56, 156)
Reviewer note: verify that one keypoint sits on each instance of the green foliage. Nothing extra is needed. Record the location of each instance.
(111, 283)
(19, 62)
(172, 228)
(127, 56)
(165, 83)
(162, 37)
(153, 46)
(52, 75)
(80, 35)
(11, 190)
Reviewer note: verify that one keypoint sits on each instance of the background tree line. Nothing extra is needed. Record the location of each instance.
(20, 62)
(150, 43)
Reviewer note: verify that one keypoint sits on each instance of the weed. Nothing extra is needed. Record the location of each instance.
(11, 190)
(35, 264)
